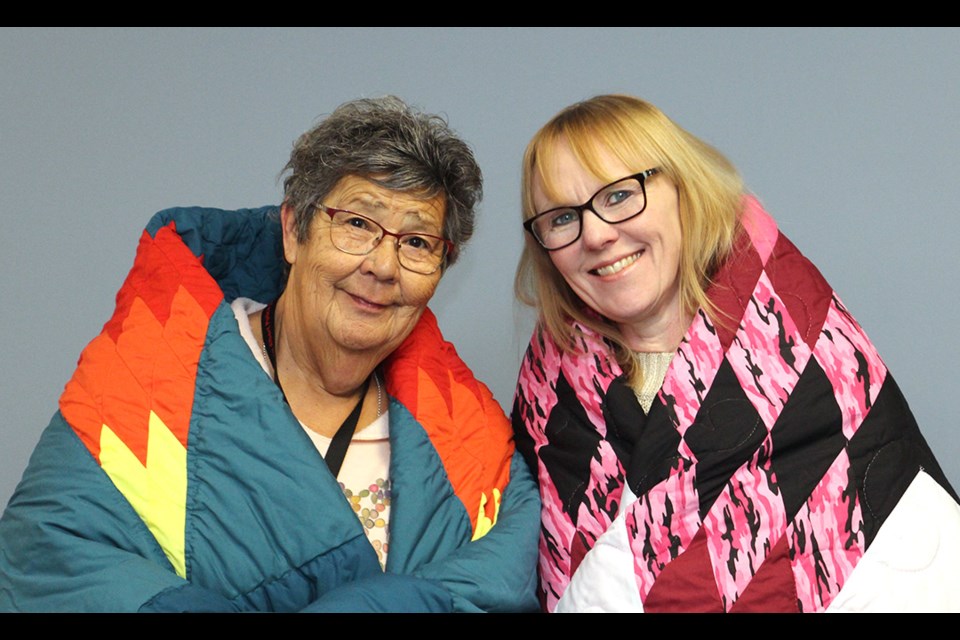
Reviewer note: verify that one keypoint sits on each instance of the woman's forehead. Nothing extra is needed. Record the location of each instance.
(372, 196)
(602, 162)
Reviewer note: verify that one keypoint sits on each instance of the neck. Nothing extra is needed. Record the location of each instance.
(322, 385)
(661, 335)
(318, 364)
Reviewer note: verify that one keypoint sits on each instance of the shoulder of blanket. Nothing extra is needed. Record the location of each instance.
(153, 340)
(130, 398)
(242, 249)
(764, 261)
(163, 307)
(465, 424)
(202, 228)
(590, 356)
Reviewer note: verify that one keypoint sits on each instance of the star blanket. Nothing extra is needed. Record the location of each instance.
(764, 474)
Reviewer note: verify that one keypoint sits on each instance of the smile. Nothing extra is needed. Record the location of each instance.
(617, 266)
(364, 302)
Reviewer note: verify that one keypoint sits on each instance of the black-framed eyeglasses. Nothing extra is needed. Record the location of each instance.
(615, 203)
(358, 235)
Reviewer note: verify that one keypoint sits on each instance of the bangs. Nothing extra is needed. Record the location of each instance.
(592, 144)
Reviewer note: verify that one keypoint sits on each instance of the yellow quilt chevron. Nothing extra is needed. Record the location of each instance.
(484, 524)
(157, 491)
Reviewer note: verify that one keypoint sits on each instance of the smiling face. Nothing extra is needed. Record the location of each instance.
(628, 272)
(338, 303)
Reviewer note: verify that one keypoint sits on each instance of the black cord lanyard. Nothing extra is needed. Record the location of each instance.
(341, 439)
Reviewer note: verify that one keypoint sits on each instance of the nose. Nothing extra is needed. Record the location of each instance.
(594, 232)
(384, 261)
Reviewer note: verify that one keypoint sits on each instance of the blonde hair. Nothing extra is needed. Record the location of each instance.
(641, 136)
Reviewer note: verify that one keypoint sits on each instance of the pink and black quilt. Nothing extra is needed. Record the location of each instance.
(779, 469)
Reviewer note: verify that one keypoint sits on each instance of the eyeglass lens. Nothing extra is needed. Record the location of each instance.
(358, 235)
(614, 203)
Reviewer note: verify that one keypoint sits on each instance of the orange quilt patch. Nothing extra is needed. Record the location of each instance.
(145, 359)
(463, 421)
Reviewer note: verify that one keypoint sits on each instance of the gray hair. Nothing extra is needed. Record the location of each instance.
(388, 142)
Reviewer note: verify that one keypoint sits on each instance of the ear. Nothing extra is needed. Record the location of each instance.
(290, 242)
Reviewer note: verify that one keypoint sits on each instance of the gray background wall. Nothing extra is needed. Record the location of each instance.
(851, 138)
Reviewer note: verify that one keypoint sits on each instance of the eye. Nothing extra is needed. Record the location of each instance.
(355, 224)
(355, 221)
(620, 195)
(561, 218)
(419, 243)
(617, 197)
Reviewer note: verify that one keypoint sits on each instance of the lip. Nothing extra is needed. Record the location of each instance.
(616, 266)
(366, 303)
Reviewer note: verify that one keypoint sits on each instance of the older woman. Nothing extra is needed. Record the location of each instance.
(711, 429)
(271, 420)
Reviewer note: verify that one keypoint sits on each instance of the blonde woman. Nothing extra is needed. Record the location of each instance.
(710, 427)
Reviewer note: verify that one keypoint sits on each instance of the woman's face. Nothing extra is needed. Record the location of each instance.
(360, 304)
(628, 272)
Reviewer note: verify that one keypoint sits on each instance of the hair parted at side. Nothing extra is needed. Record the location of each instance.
(390, 143)
(640, 136)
